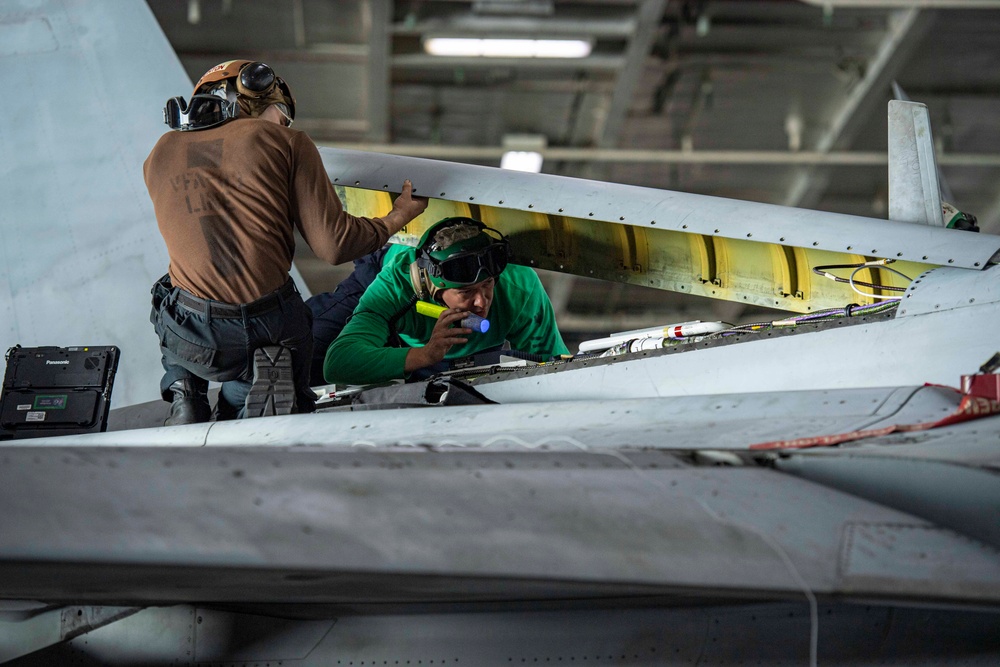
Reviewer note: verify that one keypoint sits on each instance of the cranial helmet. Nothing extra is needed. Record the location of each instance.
(234, 87)
(457, 252)
(253, 85)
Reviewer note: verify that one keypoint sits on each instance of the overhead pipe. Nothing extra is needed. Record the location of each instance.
(905, 4)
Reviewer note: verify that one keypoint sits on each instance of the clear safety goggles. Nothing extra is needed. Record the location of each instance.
(203, 111)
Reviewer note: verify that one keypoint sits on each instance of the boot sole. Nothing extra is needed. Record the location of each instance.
(273, 388)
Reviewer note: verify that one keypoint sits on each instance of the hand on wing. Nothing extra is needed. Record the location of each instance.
(442, 338)
(405, 208)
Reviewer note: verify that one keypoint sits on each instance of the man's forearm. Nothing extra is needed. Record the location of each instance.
(416, 358)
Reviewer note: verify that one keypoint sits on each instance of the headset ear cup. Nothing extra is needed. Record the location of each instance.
(255, 80)
(418, 278)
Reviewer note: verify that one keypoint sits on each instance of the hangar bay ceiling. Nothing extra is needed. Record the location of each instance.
(776, 101)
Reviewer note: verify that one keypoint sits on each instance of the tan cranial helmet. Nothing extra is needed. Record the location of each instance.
(254, 85)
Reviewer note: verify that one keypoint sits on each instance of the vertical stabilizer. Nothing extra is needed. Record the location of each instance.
(914, 189)
(84, 87)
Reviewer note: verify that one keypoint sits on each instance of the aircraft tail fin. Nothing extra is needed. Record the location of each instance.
(914, 186)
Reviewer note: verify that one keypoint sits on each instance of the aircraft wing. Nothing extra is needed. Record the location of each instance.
(793, 493)
(652, 507)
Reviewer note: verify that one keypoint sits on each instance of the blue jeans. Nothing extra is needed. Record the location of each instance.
(203, 347)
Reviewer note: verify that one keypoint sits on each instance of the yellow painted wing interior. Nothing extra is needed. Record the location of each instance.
(742, 270)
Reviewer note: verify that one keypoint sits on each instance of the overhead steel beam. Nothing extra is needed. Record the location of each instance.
(906, 27)
(314, 53)
(426, 61)
(379, 79)
(647, 24)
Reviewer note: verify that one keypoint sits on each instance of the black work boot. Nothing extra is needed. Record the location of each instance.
(273, 389)
(190, 404)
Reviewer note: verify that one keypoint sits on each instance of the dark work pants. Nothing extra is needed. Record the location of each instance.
(199, 346)
(331, 310)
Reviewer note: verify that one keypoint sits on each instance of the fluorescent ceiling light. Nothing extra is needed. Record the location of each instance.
(507, 48)
(522, 161)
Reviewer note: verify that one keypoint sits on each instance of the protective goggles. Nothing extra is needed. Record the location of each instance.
(473, 266)
(202, 112)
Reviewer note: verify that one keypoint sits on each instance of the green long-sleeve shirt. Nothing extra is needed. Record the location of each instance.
(520, 313)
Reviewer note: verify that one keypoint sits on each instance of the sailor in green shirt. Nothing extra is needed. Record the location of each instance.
(461, 264)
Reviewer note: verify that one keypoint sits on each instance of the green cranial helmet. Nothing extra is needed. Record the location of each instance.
(458, 252)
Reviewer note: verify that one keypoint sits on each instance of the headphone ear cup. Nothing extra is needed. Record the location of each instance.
(418, 278)
(255, 80)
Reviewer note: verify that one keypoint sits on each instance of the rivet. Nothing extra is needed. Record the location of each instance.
(531, 206)
(749, 235)
(442, 194)
(925, 256)
(682, 226)
(899, 254)
(472, 198)
(716, 231)
(976, 264)
(591, 214)
(782, 238)
(951, 261)
(357, 182)
(621, 217)
(815, 243)
(500, 202)
(874, 251)
(560, 210)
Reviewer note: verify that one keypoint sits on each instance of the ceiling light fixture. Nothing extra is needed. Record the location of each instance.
(507, 48)
(523, 152)
(522, 161)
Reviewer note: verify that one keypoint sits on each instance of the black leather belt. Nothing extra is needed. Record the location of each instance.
(265, 304)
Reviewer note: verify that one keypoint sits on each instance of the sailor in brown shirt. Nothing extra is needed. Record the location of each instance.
(229, 185)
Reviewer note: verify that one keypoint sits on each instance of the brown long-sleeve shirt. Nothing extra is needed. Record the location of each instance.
(226, 200)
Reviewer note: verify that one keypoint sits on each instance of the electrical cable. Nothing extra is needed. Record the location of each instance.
(882, 287)
(881, 263)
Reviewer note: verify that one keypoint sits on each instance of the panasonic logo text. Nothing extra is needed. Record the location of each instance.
(53, 363)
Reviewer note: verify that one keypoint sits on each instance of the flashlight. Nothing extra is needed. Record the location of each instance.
(474, 322)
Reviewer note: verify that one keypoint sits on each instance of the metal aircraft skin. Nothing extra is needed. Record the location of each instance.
(776, 495)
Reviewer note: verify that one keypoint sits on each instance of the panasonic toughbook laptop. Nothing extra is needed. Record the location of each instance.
(56, 391)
